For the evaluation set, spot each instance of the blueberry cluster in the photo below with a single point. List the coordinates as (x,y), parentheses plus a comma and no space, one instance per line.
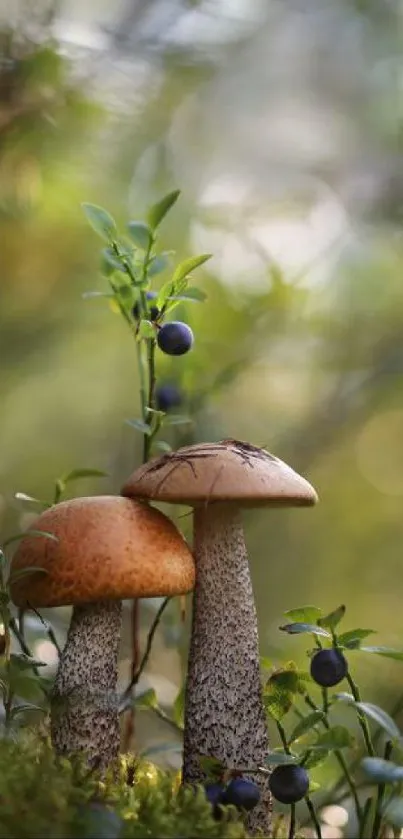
(173,337)
(240,792)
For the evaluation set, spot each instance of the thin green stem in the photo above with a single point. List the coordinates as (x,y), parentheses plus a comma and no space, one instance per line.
(365,815)
(361,717)
(291,830)
(377,826)
(283,737)
(340,759)
(314,817)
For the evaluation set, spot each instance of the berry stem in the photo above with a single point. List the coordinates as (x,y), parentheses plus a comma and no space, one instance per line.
(361,717)
(313,815)
(376,830)
(340,759)
(291,831)
(283,737)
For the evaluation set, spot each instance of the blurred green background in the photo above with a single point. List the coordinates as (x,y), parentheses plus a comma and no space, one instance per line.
(282,124)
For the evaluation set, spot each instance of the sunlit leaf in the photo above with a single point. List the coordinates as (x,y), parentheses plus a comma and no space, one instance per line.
(333,618)
(298,628)
(146,329)
(305,614)
(146,700)
(79,474)
(188,265)
(352,639)
(179,708)
(280,759)
(159,210)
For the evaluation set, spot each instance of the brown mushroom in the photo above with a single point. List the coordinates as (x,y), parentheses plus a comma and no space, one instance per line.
(108,549)
(224,714)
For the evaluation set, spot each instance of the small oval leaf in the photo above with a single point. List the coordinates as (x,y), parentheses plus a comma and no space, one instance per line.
(298,628)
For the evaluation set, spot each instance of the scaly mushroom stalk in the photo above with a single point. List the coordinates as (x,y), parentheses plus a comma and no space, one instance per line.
(224,714)
(84,709)
(104,551)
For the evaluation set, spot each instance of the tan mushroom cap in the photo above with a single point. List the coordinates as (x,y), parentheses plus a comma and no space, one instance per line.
(107,548)
(228,471)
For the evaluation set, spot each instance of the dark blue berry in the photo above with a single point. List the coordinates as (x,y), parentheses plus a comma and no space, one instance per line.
(153,310)
(289,783)
(242,793)
(175,338)
(214,794)
(328,667)
(167,396)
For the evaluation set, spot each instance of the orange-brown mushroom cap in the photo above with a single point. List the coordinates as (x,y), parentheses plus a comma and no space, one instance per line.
(229,471)
(107,548)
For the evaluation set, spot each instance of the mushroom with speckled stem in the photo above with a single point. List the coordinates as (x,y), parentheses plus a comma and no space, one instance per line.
(106,549)
(224,713)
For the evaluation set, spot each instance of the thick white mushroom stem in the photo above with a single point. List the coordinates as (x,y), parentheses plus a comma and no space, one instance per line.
(84,710)
(224,714)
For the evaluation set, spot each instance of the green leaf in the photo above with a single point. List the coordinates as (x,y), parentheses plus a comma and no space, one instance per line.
(146,329)
(343,696)
(265,663)
(25,662)
(280,759)
(188,265)
(157,265)
(211,766)
(333,618)
(280,690)
(393,813)
(26,533)
(387,652)
(379,716)
(113,263)
(179,708)
(100,221)
(314,786)
(315,759)
(336,737)
(167,291)
(146,700)
(159,210)
(298,628)
(194,294)
(79,474)
(305,614)
(25,572)
(177,419)
(22,709)
(90,295)
(141,426)
(306,724)
(141,234)
(382,771)
(353,638)
(162,446)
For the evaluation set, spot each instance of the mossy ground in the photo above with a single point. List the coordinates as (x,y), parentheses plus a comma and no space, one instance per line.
(43,795)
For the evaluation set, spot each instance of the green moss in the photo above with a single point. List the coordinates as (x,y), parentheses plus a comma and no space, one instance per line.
(42,795)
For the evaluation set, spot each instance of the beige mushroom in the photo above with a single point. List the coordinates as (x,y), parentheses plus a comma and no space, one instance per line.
(224,714)
(108,549)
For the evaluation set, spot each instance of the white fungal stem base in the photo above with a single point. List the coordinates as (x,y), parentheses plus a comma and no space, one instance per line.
(224,714)
(85,705)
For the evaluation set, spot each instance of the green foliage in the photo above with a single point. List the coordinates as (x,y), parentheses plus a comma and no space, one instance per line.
(42,795)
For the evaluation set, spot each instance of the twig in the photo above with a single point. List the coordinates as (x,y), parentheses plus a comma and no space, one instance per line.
(153,628)
(314,817)
(49,629)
